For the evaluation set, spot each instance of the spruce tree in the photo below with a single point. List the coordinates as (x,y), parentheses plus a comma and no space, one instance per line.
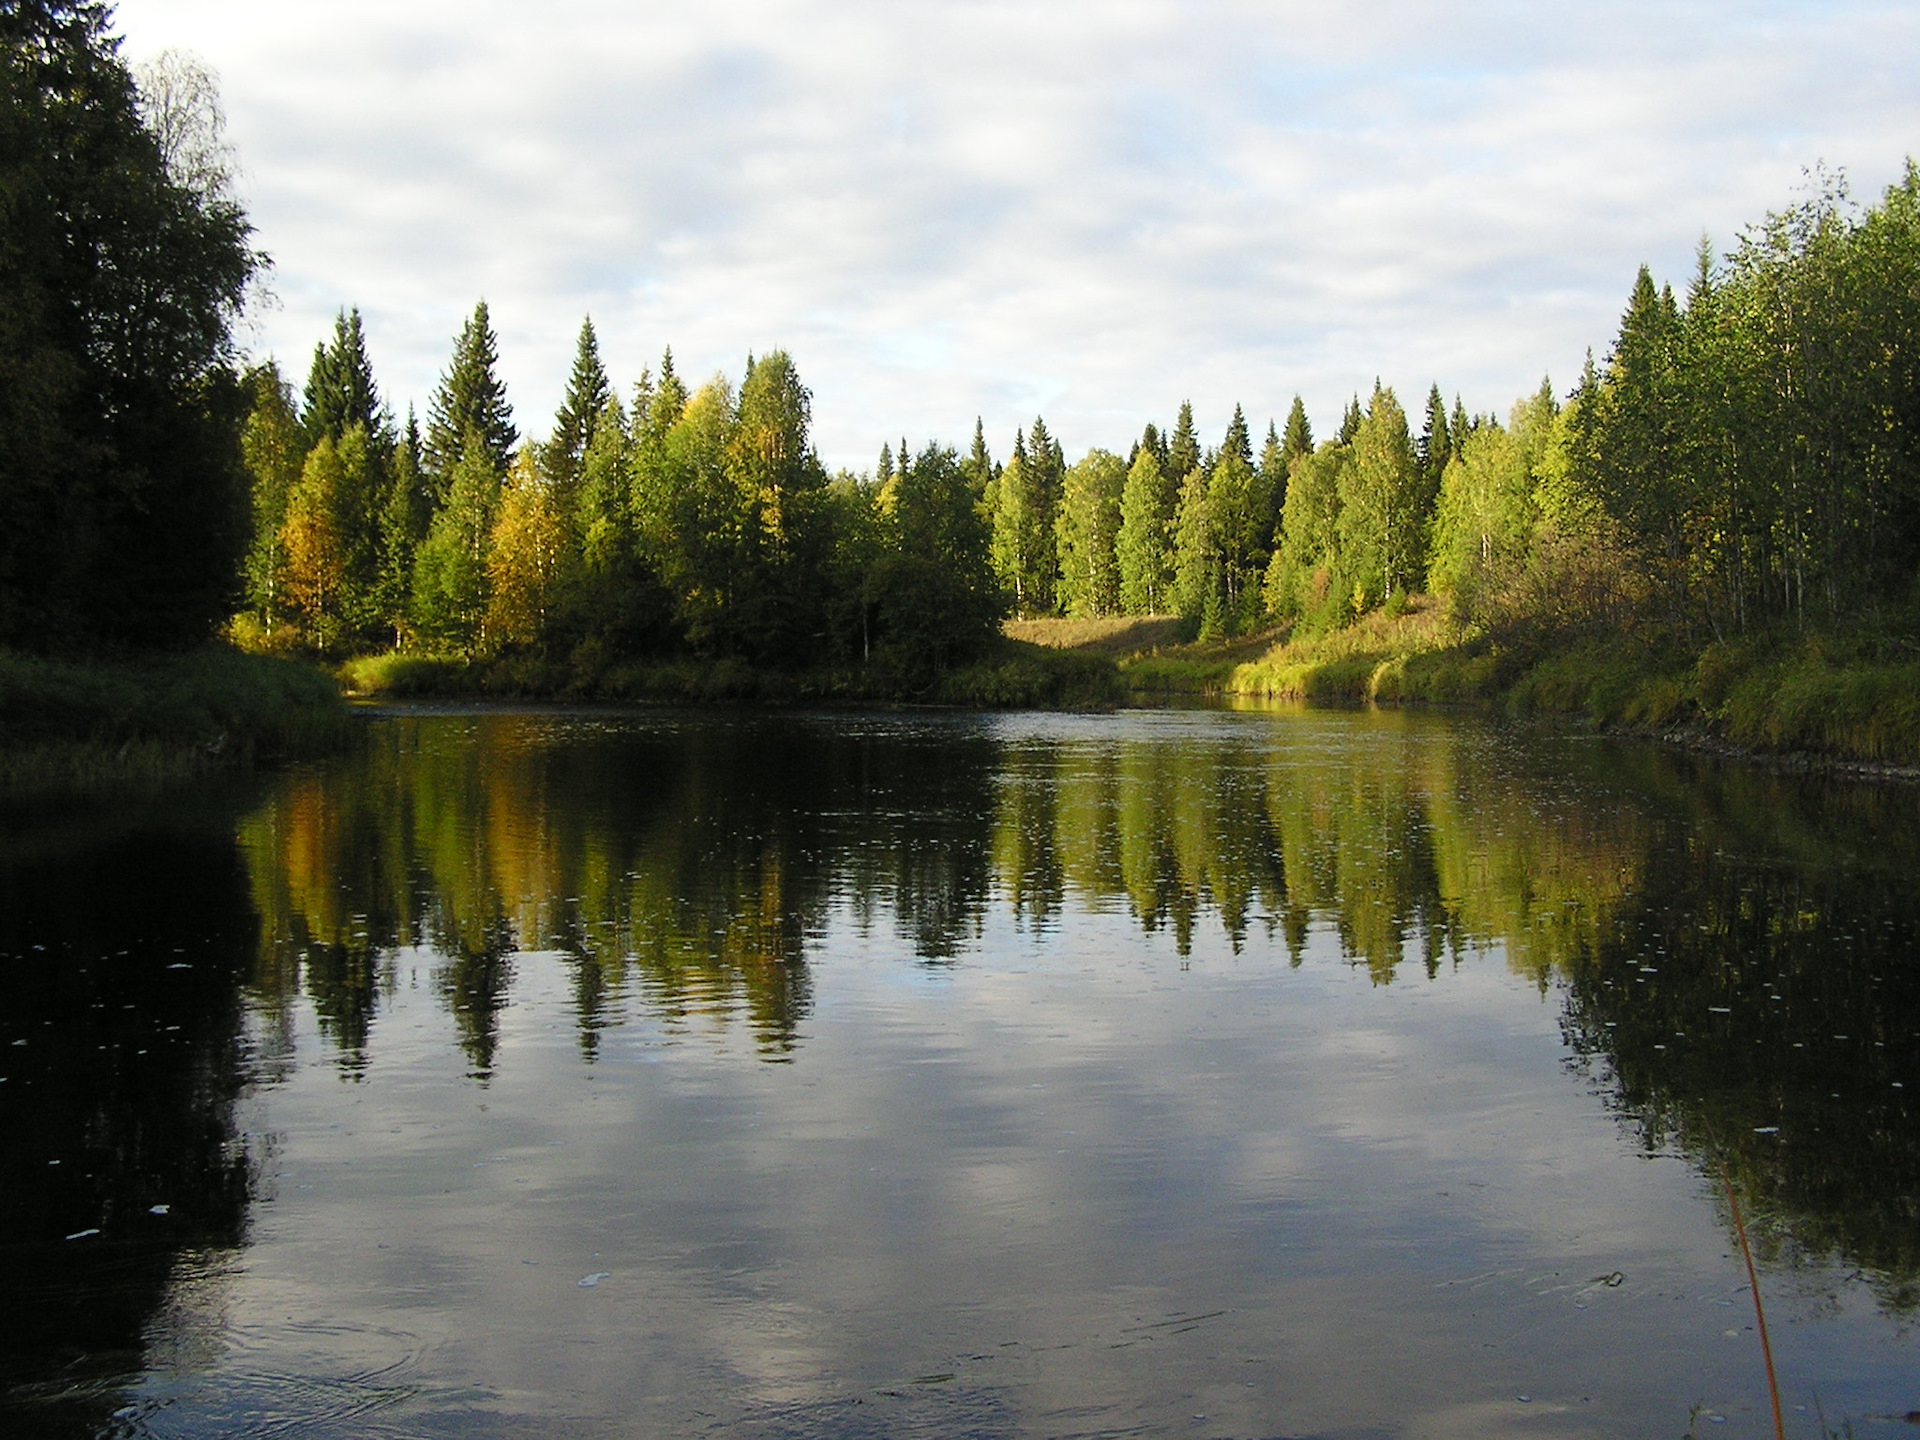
(588,391)
(401,524)
(978,467)
(1183,451)
(340,386)
(470,403)
(1151,439)
(1350,421)
(1238,442)
(1435,447)
(1297,439)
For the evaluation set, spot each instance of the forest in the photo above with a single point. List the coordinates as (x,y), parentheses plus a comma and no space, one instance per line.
(1741,461)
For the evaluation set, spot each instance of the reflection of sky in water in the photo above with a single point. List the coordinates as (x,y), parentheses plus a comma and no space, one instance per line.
(1066,1176)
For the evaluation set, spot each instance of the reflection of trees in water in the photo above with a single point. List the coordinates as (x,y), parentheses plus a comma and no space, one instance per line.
(119,969)
(1764,1014)
(679,869)
(686,872)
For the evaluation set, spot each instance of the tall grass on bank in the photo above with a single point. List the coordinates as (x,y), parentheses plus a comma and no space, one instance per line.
(1835,694)
(68,723)
(1012,675)
(1406,652)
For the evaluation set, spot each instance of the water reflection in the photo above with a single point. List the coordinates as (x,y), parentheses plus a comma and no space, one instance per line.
(1731,952)
(1734,945)
(123,939)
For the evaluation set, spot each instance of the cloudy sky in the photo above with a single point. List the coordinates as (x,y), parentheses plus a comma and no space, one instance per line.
(950,208)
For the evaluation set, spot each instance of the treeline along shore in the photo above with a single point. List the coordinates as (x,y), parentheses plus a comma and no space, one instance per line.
(1716,528)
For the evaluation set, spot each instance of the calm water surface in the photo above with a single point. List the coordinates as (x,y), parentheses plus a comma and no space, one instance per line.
(1161,1074)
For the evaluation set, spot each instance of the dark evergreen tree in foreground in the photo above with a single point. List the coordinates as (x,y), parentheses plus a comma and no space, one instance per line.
(122,502)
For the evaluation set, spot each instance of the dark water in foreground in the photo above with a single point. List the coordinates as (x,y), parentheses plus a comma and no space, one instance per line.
(1190,1074)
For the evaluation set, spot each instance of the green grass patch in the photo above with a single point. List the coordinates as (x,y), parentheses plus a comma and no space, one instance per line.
(1406,653)
(1806,703)
(1116,636)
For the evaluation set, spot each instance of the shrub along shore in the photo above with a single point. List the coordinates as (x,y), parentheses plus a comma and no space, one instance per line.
(79,724)
(1009,675)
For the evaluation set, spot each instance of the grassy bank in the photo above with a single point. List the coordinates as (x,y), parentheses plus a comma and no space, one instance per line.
(1013,675)
(77,724)
(1156,654)
(1848,695)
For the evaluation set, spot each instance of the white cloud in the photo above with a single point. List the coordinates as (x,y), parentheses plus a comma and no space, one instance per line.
(961,208)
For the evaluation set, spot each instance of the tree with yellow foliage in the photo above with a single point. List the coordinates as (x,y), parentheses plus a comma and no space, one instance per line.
(531,544)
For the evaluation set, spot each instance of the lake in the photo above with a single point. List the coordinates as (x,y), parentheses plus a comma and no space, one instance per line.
(1161,1073)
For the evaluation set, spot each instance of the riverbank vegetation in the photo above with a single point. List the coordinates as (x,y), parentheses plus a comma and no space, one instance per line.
(1718,526)
(156,718)
(122,492)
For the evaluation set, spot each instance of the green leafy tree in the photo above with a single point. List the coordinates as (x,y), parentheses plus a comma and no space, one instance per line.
(652,501)
(1383,522)
(451,587)
(314,545)
(1302,576)
(936,599)
(527,554)
(1025,552)
(1144,546)
(123,504)
(1196,554)
(273,450)
(1484,523)
(1088,529)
